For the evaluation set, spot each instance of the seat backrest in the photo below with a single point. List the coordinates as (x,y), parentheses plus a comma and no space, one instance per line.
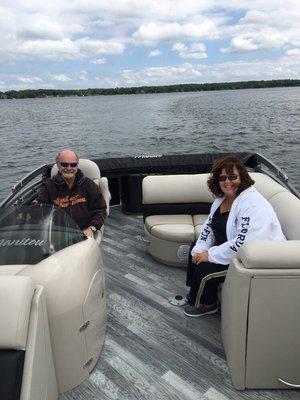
(167,194)
(167,189)
(89,168)
(176,194)
(285,204)
(266,185)
(287,207)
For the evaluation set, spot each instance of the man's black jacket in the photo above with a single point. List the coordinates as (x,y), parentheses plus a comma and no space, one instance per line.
(83,201)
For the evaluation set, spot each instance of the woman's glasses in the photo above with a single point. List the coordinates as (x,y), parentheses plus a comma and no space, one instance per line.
(222,178)
(66,164)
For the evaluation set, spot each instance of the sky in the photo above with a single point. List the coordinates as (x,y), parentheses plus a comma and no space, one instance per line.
(73,44)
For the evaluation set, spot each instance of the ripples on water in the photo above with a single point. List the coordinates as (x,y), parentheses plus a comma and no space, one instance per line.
(262,120)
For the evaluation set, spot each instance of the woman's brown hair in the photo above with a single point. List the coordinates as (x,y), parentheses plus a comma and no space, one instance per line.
(228,163)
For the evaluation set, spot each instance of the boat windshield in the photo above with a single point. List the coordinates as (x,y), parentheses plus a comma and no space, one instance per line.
(29,234)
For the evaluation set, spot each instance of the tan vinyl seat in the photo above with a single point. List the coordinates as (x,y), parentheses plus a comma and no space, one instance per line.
(260,322)
(171,227)
(24,333)
(198,221)
(260,319)
(173,234)
(168,236)
(170,231)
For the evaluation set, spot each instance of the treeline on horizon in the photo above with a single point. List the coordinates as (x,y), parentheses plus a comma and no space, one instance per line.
(186,87)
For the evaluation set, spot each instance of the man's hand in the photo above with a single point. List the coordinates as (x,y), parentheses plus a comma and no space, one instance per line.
(88,232)
(200,257)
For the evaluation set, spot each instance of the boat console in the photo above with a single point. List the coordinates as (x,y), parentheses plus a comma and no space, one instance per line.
(51,274)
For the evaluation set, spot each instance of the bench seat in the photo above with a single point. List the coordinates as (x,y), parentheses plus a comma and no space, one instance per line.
(176,206)
(260,322)
(175,232)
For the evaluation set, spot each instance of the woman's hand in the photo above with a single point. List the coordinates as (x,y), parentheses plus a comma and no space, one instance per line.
(200,257)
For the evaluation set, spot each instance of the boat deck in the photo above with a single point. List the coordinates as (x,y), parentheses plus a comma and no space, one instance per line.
(152,351)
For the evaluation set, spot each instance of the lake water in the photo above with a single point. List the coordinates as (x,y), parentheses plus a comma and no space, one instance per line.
(262,120)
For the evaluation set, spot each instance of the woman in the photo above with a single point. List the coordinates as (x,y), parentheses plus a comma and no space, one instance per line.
(238,215)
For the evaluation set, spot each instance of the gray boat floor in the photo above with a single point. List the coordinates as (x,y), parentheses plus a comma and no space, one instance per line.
(152,350)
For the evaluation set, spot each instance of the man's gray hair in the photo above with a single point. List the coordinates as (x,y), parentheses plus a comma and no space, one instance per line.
(62,151)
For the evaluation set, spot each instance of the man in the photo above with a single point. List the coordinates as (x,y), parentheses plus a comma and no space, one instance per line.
(78,195)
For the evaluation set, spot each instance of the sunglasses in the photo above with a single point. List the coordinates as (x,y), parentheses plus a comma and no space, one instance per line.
(222,178)
(66,164)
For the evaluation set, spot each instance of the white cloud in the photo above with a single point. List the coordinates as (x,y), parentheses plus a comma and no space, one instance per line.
(262,30)
(109,82)
(56,49)
(32,79)
(240,44)
(152,33)
(140,9)
(200,73)
(293,52)
(33,31)
(34,49)
(155,53)
(60,77)
(39,27)
(99,61)
(195,51)
(161,75)
(38,36)
(83,76)
(59,50)
(284,67)
(94,47)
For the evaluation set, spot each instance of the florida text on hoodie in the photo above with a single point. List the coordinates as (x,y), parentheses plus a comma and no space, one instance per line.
(251,218)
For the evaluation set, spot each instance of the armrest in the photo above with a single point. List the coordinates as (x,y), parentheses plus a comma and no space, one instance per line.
(266,254)
(103,183)
(98,235)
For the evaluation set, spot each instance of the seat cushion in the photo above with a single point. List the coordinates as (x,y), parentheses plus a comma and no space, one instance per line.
(198,221)
(175,228)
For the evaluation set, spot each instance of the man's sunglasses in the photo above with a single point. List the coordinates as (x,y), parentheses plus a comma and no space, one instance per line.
(66,164)
(222,178)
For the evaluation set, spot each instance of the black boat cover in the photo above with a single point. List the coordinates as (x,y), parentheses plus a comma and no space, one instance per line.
(166,164)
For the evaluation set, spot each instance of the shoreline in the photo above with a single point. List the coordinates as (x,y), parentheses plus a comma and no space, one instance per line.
(188,87)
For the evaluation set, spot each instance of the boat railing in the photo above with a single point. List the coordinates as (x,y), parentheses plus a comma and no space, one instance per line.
(27,188)
(274,172)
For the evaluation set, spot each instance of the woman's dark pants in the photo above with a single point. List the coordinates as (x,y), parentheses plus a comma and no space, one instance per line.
(195,274)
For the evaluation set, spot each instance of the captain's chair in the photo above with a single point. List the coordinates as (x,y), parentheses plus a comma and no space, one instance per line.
(91,170)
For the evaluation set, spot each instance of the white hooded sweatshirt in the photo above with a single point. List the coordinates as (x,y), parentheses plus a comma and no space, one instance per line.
(251,218)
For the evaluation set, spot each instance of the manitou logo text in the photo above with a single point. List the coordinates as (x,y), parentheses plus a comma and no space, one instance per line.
(21,242)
